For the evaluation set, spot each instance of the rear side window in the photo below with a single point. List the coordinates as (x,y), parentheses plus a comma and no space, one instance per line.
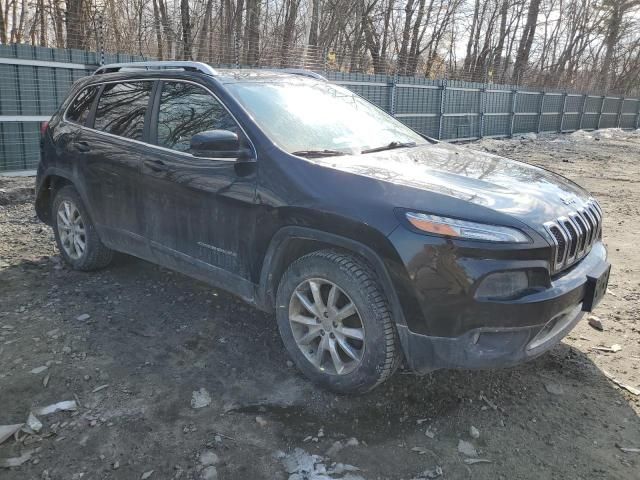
(185,110)
(78,111)
(122,107)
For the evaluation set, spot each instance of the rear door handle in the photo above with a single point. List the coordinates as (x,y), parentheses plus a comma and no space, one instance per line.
(83,146)
(155,165)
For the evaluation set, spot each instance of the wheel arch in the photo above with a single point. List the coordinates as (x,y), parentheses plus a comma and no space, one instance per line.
(50,184)
(292,242)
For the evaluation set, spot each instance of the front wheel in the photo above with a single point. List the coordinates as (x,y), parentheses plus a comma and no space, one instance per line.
(335,322)
(75,233)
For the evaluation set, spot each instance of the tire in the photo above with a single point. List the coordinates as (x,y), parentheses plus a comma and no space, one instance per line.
(365,342)
(70,220)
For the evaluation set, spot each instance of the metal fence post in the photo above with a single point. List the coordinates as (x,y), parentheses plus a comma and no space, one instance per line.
(585,97)
(101,39)
(564,109)
(514,94)
(638,116)
(443,94)
(620,108)
(236,47)
(394,93)
(483,107)
(604,98)
(541,111)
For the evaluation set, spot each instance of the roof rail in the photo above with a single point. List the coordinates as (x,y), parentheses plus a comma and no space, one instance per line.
(303,72)
(157,65)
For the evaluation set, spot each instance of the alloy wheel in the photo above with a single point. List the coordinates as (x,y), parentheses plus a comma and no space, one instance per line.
(71,229)
(326,326)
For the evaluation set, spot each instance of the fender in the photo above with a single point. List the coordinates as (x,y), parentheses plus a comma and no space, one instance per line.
(57,172)
(278,246)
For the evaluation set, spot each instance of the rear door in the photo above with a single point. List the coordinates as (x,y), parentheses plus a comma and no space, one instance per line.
(200,212)
(113,145)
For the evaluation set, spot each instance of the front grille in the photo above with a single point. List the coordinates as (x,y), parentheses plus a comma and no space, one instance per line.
(574,235)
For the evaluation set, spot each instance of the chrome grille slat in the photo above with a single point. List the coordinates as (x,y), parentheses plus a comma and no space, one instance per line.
(591,224)
(582,233)
(574,235)
(598,229)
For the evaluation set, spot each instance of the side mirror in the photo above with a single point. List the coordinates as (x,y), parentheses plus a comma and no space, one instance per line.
(218,144)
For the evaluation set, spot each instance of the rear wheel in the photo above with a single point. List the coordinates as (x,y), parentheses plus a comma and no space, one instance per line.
(75,233)
(335,322)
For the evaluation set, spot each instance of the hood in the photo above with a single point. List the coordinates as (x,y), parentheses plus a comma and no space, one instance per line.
(530,194)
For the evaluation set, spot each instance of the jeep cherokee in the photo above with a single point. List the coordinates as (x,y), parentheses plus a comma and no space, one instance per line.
(370,242)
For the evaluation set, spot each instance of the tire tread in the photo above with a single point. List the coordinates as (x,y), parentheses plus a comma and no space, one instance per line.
(360,270)
(98,255)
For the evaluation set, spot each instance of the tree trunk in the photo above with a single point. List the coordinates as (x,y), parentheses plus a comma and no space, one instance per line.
(289,31)
(166,28)
(75,24)
(406,34)
(614,24)
(524,48)
(203,53)
(158,29)
(497,56)
(412,63)
(43,24)
(254,33)
(185,23)
(315,21)
(468,60)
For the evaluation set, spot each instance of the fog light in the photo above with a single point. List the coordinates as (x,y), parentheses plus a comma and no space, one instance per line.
(502,285)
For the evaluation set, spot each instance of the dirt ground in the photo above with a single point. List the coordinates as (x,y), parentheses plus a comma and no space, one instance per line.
(132,343)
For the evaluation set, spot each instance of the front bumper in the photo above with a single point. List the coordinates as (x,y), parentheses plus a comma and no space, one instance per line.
(486,348)
(472,333)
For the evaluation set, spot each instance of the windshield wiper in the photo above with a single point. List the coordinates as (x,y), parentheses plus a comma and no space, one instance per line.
(390,146)
(318,153)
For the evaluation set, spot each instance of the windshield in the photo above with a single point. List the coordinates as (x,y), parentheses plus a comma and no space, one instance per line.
(307,116)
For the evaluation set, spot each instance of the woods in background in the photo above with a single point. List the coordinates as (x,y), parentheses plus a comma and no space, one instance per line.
(582,44)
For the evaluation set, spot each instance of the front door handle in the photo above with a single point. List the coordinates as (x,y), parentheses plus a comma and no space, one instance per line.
(155,165)
(83,146)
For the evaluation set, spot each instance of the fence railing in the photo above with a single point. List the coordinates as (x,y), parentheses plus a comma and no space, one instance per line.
(35,80)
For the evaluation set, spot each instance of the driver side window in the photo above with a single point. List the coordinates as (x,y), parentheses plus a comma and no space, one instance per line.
(186,110)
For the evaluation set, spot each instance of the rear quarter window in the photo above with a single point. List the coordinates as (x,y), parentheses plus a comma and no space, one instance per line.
(80,106)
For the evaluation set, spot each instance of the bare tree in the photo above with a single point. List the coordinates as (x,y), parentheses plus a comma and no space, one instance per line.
(526,41)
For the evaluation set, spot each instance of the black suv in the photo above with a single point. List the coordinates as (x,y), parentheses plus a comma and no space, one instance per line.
(369,241)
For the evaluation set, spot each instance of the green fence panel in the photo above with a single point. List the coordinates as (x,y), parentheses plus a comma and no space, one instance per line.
(574,103)
(455,127)
(548,123)
(498,102)
(497,125)
(571,122)
(46,86)
(425,125)
(525,123)
(418,100)
(469,109)
(9,93)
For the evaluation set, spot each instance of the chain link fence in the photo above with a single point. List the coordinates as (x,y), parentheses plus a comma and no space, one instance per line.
(35,80)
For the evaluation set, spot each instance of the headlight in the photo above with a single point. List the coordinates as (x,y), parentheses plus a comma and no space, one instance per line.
(452,227)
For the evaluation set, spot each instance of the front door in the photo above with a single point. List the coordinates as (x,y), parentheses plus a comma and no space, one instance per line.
(199,212)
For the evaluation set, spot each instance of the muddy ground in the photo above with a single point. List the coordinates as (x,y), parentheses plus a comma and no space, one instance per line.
(132,343)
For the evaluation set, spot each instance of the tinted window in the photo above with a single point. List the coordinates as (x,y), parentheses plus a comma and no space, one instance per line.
(185,110)
(81,106)
(122,107)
